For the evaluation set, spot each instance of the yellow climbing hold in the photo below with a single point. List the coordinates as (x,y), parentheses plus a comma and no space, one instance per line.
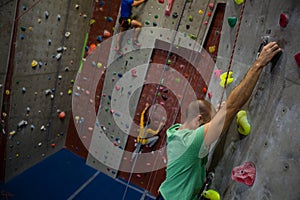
(7,92)
(92,21)
(12,133)
(211,194)
(223,78)
(200,12)
(69,92)
(238,2)
(34,63)
(243,124)
(212,49)
(99,64)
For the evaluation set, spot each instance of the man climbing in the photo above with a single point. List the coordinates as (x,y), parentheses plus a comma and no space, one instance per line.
(188,143)
(147,136)
(127,22)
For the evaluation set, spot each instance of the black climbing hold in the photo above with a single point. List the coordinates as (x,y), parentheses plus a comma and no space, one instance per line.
(175,15)
(164,97)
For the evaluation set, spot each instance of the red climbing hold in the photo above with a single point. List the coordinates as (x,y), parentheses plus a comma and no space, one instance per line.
(211,6)
(62,115)
(133,73)
(169,7)
(297,58)
(209,95)
(161,1)
(283,20)
(244,173)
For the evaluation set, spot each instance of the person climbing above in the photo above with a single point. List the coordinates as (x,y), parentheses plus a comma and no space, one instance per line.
(147,136)
(188,143)
(127,22)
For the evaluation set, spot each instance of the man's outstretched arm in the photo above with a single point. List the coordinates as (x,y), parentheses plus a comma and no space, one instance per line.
(239,96)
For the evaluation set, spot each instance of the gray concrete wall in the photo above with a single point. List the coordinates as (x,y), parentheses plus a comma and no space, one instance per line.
(7,11)
(30,145)
(273,110)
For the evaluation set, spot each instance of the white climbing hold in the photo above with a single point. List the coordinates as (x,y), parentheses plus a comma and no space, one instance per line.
(58,56)
(22,123)
(46,14)
(48,91)
(43,128)
(67,34)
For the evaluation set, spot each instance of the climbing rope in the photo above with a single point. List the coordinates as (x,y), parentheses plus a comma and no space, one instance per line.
(233,50)
(156,94)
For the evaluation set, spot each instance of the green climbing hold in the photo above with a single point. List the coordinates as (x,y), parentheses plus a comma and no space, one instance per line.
(155,16)
(243,124)
(177,80)
(238,2)
(23,28)
(147,22)
(169,61)
(191,18)
(232,21)
(193,37)
(211,194)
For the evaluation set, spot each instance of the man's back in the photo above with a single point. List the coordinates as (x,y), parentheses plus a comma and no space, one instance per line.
(186,170)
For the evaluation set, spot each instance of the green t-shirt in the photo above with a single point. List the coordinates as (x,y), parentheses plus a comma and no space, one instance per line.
(187,157)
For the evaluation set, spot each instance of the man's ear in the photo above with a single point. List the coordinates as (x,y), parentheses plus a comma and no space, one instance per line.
(200,119)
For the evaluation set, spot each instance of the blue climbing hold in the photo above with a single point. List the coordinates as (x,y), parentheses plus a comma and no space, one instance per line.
(101,3)
(99,38)
(86,48)
(22,37)
(109,19)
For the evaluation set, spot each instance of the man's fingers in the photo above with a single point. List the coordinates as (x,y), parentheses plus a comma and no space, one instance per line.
(274,47)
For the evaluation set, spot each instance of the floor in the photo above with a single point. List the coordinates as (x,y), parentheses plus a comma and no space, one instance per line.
(65,175)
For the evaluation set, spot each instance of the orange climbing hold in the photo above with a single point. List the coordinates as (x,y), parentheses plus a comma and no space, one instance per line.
(92,47)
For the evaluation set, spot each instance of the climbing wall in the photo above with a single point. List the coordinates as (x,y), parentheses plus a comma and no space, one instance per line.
(6,20)
(48,49)
(127,87)
(272,111)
